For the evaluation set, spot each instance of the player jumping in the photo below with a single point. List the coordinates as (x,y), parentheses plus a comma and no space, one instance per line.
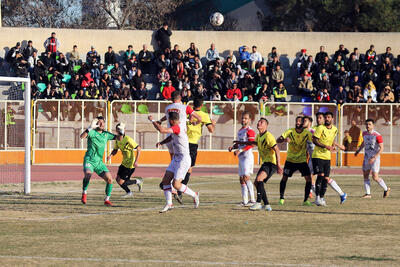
(180,163)
(246,160)
(270,156)
(129,162)
(93,160)
(324,140)
(297,139)
(373,144)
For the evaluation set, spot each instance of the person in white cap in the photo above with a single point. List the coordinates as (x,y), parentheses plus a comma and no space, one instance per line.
(129,162)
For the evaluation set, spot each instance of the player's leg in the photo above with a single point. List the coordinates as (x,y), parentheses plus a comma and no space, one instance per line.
(287,172)
(318,171)
(313,178)
(306,173)
(180,172)
(244,191)
(332,183)
(375,175)
(107,177)
(168,176)
(250,188)
(264,174)
(367,183)
(123,176)
(85,184)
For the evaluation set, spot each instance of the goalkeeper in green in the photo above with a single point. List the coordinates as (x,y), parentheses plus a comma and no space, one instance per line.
(93,160)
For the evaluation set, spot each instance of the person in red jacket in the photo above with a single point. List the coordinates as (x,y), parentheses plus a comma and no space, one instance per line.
(167,91)
(323,96)
(230,93)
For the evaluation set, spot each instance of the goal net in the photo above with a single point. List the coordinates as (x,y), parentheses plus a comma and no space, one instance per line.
(15,134)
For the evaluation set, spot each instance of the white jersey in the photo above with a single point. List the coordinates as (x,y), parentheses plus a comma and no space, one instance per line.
(310,144)
(371,143)
(246,134)
(180,142)
(182,110)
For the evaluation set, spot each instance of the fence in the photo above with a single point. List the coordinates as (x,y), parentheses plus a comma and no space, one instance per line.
(12,119)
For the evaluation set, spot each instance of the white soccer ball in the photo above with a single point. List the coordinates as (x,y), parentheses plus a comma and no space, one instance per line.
(216,19)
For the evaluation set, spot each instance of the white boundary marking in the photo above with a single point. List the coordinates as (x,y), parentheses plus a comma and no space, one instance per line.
(115,260)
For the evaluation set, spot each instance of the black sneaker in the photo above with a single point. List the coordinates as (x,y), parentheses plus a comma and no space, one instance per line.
(386,193)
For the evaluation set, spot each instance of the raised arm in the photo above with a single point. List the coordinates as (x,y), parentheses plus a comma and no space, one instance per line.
(92,126)
(159,127)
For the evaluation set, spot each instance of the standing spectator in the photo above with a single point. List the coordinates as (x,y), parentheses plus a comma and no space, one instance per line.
(74,56)
(145,59)
(340,96)
(353,65)
(370,56)
(388,54)
(12,53)
(272,55)
(212,53)
(92,57)
(52,44)
(320,56)
(167,91)
(301,59)
(28,51)
(129,53)
(244,57)
(280,93)
(109,57)
(255,57)
(163,37)
(342,52)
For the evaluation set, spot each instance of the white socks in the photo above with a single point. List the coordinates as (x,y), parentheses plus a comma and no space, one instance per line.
(168,194)
(107,198)
(84,192)
(335,186)
(250,187)
(245,195)
(367,187)
(186,190)
(381,182)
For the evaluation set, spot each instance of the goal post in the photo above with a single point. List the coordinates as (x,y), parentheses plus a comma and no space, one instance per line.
(27,127)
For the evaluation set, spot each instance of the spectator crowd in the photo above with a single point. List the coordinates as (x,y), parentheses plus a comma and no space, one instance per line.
(244,76)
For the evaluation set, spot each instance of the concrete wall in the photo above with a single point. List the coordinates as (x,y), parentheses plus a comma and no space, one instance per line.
(288,43)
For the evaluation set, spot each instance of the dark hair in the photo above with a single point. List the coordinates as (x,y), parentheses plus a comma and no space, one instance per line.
(198,102)
(308,118)
(100,118)
(318,114)
(328,113)
(173,116)
(245,113)
(264,119)
(175,95)
(370,120)
(300,117)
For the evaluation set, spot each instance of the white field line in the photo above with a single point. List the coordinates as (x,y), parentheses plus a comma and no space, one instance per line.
(116,260)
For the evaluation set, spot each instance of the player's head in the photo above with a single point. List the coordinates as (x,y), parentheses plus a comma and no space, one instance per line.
(176,97)
(197,103)
(262,125)
(369,124)
(101,122)
(245,118)
(173,118)
(328,118)
(307,122)
(320,118)
(120,128)
(299,122)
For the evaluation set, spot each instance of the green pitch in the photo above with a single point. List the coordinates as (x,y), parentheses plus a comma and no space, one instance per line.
(52,227)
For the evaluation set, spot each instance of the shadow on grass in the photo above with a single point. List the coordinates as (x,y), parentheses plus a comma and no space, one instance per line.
(340,212)
(362,258)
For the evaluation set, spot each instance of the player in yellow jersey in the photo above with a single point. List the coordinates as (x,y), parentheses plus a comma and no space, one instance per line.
(324,140)
(296,159)
(129,162)
(194,133)
(270,156)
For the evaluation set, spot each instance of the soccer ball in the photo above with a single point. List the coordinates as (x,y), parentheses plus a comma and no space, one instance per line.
(216,19)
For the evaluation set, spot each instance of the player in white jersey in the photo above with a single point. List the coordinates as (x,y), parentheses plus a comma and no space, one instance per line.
(246,160)
(180,163)
(183,111)
(373,144)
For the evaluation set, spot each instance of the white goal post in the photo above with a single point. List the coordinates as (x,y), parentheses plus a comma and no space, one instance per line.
(27,135)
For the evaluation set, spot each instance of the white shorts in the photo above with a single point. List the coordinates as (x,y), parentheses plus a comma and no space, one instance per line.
(179,167)
(170,147)
(374,166)
(246,164)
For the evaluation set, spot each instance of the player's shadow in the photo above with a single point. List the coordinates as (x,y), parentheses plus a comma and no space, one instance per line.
(339,212)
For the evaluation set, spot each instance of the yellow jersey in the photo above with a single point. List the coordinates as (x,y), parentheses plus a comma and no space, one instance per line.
(127,146)
(194,132)
(297,148)
(265,143)
(326,137)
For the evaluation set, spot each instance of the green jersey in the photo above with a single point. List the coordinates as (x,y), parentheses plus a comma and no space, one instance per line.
(96,145)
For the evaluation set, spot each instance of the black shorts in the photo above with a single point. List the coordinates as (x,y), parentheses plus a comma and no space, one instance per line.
(291,168)
(193,153)
(321,166)
(125,173)
(269,168)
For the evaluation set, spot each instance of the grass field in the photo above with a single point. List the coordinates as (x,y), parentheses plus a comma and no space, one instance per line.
(52,227)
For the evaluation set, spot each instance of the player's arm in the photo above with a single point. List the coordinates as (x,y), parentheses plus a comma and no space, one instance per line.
(318,143)
(165,141)
(113,153)
(211,126)
(162,119)
(359,149)
(342,147)
(138,150)
(193,115)
(251,143)
(235,146)
(282,139)
(92,126)
(278,158)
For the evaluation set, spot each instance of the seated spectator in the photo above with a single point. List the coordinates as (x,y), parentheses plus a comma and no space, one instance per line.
(264,94)
(12,53)
(320,56)
(370,56)
(388,54)
(163,76)
(92,91)
(323,96)
(116,71)
(301,59)
(232,56)
(387,81)
(216,84)
(357,54)
(212,53)
(386,67)
(306,87)
(162,62)
(355,82)
(277,75)
(198,91)
(20,66)
(175,52)
(125,92)
(280,93)
(353,65)
(137,79)
(32,60)
(370,91)
(167,90)
(325,64)
(49,61)
(215,96)
(62,63)
(272,54)
(272,65)
(324,83)
(145,59)
(255,57)
(28,51)
(309,65)
(140,93)
(92,57)
(244,57)
(370,75)
(247,82)
(39,73)
(193,51)
(396,78)
(386,96)
(231,92)
(74,56)
(109,57)
(340,96)
(186,94)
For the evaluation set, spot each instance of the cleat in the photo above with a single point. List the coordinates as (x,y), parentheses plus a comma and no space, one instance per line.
(178,198)
(107,203)
(130,194)
(268,208)
(323,202)
(166,208)
(366,196)
(281,201)
(317,201)
(84,198)
(196,200)
(249,204)
(256,206)
(343,198)
(139,183)
(242,204)
(386,193)
(307,203)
